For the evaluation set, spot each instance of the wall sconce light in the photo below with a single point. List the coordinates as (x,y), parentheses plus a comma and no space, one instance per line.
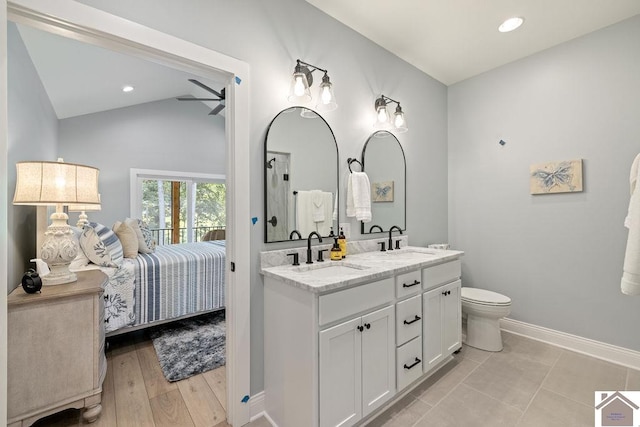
(57,184)
(302,80)
(397,122)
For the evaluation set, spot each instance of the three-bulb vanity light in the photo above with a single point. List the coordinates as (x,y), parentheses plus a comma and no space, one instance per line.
(396,122)
(301,82)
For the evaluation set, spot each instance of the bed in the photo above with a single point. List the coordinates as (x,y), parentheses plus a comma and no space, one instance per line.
(175,281)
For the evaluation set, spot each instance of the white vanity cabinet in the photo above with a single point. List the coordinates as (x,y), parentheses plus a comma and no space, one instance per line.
(357,370)
(442,321)
(336,352)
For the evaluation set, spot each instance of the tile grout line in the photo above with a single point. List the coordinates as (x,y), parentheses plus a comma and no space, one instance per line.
(540,387)
(449,392)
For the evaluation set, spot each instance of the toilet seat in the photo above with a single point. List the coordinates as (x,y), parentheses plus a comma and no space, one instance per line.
(483,297)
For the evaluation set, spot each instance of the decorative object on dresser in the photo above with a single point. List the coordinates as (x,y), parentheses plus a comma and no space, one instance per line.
(55,350)
(83,209)
(31,282)
(57,184)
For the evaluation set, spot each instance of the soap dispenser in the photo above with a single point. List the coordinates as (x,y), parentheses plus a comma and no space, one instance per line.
(336,252)
(342,241)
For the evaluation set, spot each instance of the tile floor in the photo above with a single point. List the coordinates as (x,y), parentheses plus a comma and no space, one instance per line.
(527,384)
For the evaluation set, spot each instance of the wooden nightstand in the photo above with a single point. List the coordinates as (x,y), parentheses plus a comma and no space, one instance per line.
(55,349)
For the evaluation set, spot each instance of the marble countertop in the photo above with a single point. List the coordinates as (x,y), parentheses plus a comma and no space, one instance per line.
(322,277)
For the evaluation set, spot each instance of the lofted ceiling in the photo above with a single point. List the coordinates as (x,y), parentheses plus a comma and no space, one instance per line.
(80,78)
(452,40)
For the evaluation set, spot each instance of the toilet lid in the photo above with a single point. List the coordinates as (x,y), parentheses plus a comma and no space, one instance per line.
(483,296)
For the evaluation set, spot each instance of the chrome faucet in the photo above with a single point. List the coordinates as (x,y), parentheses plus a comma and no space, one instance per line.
(395,227)
(295,232)
(309,253)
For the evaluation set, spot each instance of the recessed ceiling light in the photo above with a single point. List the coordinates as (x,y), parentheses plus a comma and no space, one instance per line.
(127,88)
(510,24)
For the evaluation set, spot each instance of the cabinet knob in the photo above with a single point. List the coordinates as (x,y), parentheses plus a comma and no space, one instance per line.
(367,325)
(360,328)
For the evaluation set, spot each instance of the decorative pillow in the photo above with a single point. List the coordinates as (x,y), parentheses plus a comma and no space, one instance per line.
(128,239)
(81,259)
(101,245)
(146,244)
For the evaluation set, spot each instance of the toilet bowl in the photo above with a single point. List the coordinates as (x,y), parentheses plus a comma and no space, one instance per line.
(483,310)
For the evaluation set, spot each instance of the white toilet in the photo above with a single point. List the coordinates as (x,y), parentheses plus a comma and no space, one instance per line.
(483,310)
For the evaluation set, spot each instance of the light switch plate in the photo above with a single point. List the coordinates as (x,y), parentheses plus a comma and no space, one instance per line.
(346,228)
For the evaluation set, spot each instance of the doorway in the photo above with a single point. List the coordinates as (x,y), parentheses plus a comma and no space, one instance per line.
(71,19)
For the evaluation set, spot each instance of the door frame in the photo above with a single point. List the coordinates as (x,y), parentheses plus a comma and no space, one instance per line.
(84,23)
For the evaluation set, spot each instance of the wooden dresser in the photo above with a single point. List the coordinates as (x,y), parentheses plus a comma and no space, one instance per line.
(56,356)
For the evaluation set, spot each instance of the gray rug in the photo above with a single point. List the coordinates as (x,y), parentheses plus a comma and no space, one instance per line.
(191,346)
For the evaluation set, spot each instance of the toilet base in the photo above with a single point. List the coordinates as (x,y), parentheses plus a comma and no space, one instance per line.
(483,333)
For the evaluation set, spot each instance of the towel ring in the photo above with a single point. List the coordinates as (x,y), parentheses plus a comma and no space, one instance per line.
(350,160)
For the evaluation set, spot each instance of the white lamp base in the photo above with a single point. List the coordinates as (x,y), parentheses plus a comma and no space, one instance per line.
(60,247)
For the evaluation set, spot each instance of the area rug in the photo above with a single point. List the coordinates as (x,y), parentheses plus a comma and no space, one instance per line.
(191,346)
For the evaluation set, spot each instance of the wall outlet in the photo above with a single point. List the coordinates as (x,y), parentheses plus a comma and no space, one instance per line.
(346,228)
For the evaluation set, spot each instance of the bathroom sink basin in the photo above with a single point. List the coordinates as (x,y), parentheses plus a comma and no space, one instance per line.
(330,269)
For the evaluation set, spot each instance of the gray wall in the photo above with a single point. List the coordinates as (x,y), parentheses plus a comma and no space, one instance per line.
(559,257)
(270,36)
(165,135)
(32,131)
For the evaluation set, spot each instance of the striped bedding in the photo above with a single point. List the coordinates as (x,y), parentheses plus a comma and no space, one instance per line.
(178,280)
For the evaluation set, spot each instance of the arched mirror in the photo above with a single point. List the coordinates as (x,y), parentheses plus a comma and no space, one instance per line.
(384,162)
(300,176)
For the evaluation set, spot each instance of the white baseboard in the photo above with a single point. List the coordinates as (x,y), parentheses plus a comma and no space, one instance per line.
(256,408)
(599,350)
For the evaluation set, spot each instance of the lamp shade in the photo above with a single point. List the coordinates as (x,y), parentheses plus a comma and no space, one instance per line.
(55,183)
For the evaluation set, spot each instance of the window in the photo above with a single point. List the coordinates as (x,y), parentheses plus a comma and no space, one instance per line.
(179,207)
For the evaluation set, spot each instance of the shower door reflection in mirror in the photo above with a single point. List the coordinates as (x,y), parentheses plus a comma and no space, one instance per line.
(301,176)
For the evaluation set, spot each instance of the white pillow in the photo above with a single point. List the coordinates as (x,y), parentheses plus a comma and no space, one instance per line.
(146,244)
(101,245)
(81,259)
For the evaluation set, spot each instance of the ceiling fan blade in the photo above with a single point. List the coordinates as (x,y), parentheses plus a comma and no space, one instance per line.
(216,110)
(205,87)
(199,99)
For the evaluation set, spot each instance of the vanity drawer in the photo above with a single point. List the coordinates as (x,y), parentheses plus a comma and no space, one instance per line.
(409,363)
(341,304)
(408,319)
(408,283)
(441,274)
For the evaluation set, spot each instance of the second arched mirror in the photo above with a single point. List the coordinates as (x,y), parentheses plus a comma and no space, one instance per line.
(384,162)
(301,176)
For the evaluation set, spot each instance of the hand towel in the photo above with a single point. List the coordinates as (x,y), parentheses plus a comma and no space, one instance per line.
(630,283)
(324,227)
(317,205)
(359,196)
(304,213)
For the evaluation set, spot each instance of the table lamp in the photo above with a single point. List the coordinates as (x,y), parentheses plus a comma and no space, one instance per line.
(83,209)
(58,184)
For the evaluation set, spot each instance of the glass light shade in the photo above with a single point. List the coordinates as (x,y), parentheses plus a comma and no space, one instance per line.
(399,121)
(326,98)
(299,91)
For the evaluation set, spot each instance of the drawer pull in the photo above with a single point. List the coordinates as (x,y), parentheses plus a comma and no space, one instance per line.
(413,364)
(413,321)
(415,282)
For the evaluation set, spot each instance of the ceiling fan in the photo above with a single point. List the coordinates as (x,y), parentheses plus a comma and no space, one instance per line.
(220,97)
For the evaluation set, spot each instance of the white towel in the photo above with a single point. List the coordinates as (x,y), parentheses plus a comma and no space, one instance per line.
(630,283)
(304,213)
(359,196)
(317,205)
(324,227)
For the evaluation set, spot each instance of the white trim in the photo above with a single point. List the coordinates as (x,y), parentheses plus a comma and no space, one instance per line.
(3,205)
(610,353)
(84,23)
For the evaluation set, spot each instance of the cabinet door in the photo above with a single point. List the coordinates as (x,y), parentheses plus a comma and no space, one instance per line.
(432,328)
(341,374)
(378,359)
(451,317)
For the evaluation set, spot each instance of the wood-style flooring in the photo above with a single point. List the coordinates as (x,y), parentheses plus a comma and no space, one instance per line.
(136,393)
